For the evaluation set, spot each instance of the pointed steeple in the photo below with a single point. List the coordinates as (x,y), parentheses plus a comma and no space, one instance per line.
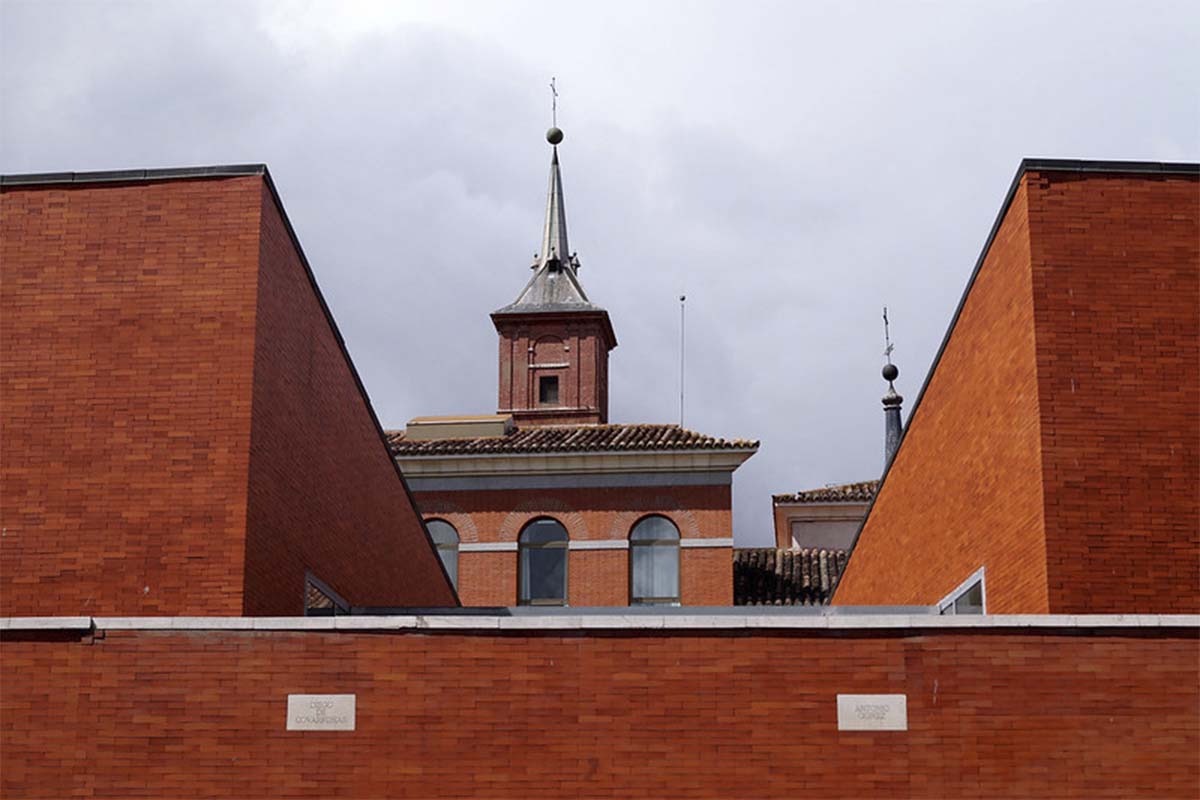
(554,232)
(555,283)
(554,342)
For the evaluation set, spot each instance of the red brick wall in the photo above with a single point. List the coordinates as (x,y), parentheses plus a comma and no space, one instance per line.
(582,385)
(965,489)
(126,352)
(999,714)
(706,576)
(1116,280)
(323,493)
(1059,441)
(488,578)
(595,577)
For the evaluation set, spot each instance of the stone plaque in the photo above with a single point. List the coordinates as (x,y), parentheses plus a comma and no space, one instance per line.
(872,712)
(320,712)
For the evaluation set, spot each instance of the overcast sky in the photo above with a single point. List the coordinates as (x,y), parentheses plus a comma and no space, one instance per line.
(791,167)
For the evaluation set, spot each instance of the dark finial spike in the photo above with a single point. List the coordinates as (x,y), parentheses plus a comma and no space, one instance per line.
(891,400)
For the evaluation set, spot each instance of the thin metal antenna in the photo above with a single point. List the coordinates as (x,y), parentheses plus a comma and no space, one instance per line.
(553,103)
(682,319)
(887,340)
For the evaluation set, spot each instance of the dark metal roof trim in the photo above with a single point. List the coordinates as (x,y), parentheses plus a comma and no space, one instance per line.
(1131,167)
(1026,165)
(132,175)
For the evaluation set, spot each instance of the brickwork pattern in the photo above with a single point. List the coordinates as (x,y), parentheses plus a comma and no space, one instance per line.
(531,342)
(965,488)
(162,396)
(1062,417)
(1116,292)
(595,577)
(991,714)
(324,494)
(126,353)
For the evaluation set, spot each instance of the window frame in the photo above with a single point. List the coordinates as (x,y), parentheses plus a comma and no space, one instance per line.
(564,545)
(340,607)
(543,380)
(635,546)
(947,606)
(439,547)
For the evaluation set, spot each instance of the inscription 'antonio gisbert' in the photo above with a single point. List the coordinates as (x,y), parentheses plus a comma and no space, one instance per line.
(872,712)
(320,712)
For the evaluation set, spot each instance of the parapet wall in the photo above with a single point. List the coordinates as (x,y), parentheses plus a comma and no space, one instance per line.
(679,705)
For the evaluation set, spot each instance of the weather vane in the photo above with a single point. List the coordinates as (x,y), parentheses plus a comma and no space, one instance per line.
(553,103)
(887,339)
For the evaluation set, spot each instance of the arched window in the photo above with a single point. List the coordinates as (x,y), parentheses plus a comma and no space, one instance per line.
(654,562)
(542,557)
(446,539)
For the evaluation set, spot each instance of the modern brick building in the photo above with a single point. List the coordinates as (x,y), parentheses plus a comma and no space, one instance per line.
(179,414)
(183,431)
(547,503)
(1052,459)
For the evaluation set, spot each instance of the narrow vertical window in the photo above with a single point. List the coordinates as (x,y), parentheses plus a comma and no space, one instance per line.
(548,390)
(654,562)
(542,563)
(445,538)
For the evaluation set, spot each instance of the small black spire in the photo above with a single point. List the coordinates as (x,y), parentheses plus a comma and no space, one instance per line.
(891,400)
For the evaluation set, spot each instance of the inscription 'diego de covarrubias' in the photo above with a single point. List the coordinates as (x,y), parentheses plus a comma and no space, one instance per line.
(872,712)
(320,712)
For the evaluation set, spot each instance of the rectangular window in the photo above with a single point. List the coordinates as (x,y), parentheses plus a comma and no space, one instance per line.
(968,598)
(548,390)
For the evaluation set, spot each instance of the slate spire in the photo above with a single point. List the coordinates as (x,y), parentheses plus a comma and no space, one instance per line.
(555,283)
(554,232)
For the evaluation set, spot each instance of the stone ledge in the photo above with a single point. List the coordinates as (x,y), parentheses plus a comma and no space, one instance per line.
(608,620)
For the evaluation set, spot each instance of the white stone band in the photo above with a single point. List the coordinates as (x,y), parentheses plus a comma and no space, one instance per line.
(598,544)
(487,547)
(608,619)
(586,544)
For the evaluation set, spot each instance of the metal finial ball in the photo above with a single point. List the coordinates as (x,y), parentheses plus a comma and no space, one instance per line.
(554,135)
(890,372)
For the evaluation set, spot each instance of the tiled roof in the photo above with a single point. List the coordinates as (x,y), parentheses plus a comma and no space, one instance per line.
(861,492)
(767,576)
(570,438)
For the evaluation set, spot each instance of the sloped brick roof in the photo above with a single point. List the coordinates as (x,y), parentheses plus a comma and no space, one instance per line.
(570,438)
(860,492)
(769,576)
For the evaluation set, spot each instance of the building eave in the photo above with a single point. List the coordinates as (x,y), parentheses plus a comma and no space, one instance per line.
(594,462)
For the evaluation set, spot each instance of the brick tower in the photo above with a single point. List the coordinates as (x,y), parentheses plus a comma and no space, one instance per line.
(554,342)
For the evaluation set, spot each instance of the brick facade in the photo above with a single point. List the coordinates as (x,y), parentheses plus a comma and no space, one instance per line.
(183,432)
(127,317)
(595,577)
(1116,294)
(573,347)
(1000,713)
(1056,441)
(948,507)
(324,494)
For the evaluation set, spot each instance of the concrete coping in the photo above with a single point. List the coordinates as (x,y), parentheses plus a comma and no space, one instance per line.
(611,621)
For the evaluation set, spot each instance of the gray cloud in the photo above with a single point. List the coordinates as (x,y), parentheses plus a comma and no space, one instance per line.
(792,167)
